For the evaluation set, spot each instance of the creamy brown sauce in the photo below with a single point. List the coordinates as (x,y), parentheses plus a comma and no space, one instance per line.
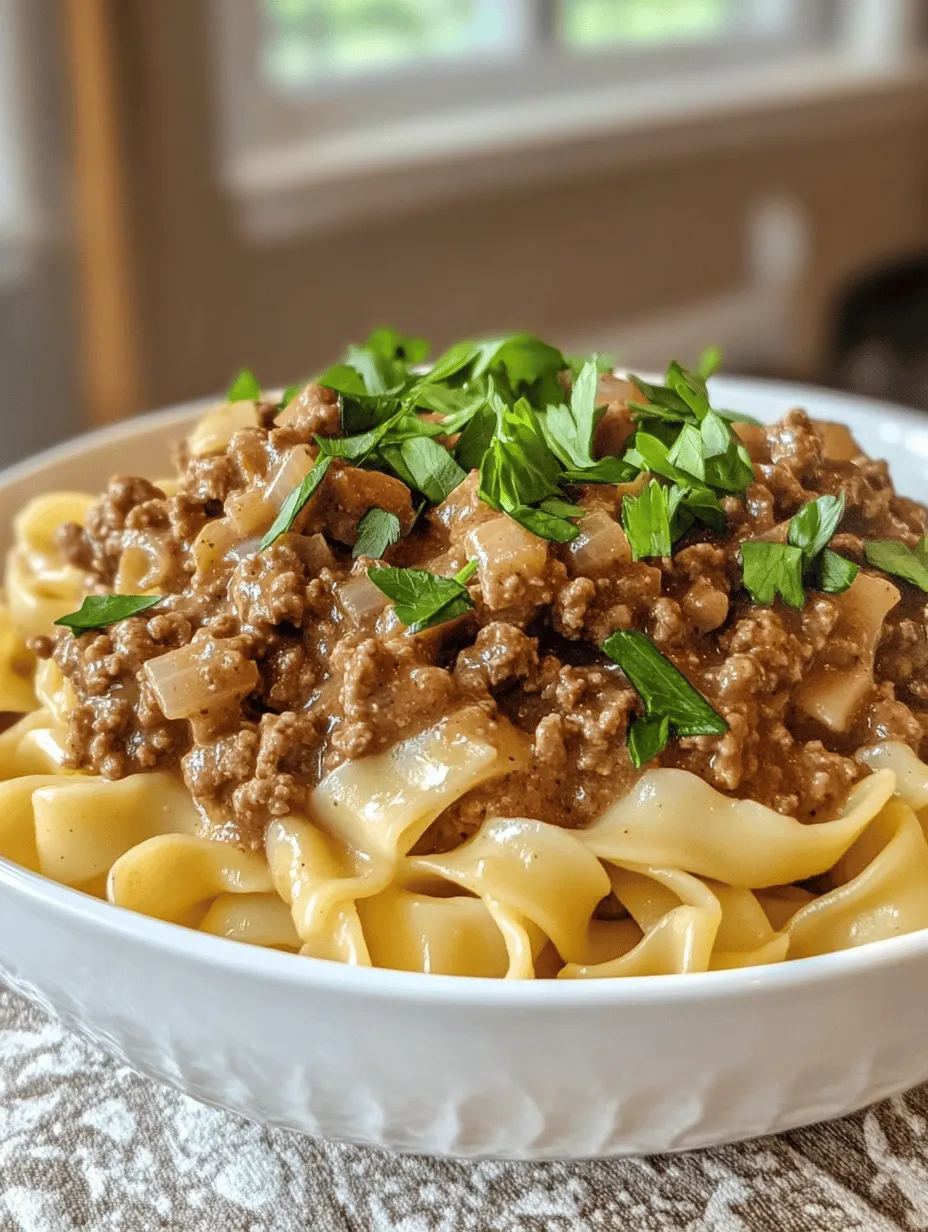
(321,671)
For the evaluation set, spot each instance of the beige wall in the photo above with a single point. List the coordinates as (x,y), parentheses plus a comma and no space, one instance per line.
(556,255)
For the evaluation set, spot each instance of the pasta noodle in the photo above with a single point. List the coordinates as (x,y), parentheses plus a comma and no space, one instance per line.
(672,877)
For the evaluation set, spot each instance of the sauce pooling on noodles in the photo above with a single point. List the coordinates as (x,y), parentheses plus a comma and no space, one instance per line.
(375,619)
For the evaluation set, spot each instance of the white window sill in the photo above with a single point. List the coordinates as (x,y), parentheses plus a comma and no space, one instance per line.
(329,182)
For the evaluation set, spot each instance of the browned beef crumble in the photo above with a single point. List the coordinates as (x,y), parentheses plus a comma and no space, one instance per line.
(329,673)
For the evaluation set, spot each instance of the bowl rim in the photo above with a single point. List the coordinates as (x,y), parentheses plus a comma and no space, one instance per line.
(381,983)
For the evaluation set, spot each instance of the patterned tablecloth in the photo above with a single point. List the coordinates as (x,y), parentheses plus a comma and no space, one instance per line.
(87,1144)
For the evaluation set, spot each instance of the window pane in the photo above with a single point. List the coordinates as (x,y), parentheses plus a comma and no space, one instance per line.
(610,23)
(310,39)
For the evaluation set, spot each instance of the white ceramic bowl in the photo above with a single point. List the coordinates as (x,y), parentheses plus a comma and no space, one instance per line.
(473,1067)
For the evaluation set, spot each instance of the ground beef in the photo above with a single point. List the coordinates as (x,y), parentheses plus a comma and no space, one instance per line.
(330,673)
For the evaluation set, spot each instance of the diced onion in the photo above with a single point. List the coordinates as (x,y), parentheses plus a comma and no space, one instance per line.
(600,546)
(313,550)
(361,600)
(294,468)
(200,677)
(248,548)
(507,555)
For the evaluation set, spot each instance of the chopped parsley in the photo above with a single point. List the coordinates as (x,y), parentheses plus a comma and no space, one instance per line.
(422,599)
(646,519)
(671,703)
(771,570)
(244,388)
(647,738)
(498,406)
(569,429)
(296,501)
(812,527)
(910,564)
(785,569)
(98,611)
(378,530)
(518,471)
(835,573)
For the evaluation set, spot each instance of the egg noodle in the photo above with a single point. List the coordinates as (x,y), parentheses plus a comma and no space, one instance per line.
(706,881)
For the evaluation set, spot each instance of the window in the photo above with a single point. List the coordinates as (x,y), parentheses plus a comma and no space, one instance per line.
(310,41)
(326,92)
(307,46)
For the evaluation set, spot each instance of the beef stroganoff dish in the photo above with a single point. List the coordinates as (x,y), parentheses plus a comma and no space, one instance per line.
(499,665)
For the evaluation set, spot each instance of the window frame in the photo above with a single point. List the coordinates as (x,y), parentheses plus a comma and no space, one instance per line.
(431,125)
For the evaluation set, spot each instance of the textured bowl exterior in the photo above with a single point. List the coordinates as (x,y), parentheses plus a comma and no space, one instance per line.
(472,1067)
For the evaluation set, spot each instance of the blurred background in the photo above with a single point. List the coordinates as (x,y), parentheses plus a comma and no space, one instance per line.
(188,186)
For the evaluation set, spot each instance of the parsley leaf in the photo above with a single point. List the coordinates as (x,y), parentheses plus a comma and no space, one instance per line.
(772,569)
(296,501)
(649,453)
(518,470)
(98,611)
(731,471)
(646,519)
(569,430)
(738,417)
(605,470)
(244,388)
(343,379)
(451,363)
(687,453)
(380,365)
(813,526)
(575,363)
(647,738)
(664,689)
(705,506)
(544,523)
(431,467)
(357,448)
(475,439)
(709,362)
(662,402)
(835,574)
(894,557)
(378,530)
(529,365)
(422,599)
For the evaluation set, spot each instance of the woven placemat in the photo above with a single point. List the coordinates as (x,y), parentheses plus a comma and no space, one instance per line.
(86,1144)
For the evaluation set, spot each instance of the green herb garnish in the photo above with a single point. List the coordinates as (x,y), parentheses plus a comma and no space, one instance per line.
(835,573)
(646,519)
(772,569)
(667,695)
(431,468)
(604,470)
(647,738)
(686,440)
(244,388)
(296,501)
(422,599)
(378,530)
(569,429)
(812,527)
(910,564)
(503,400)
(98,611)
(518,470)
